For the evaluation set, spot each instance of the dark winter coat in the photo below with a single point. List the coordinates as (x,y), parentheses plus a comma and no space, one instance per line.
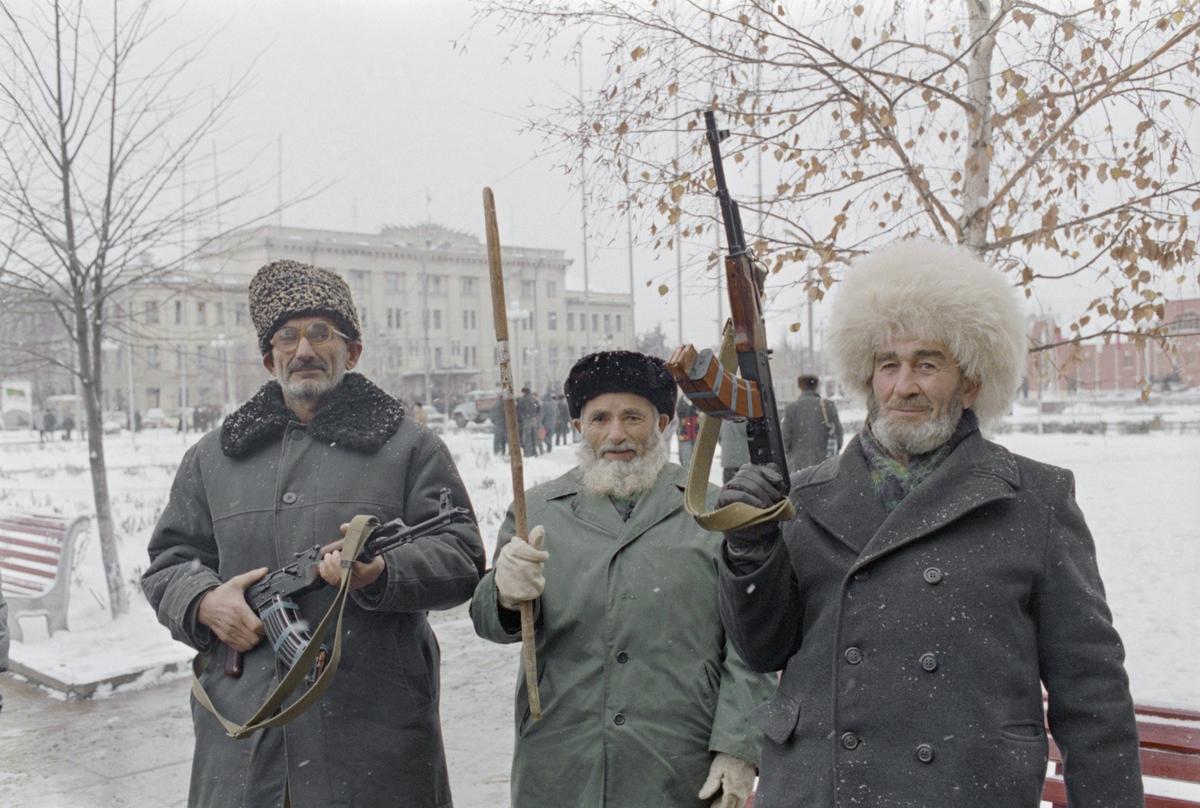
(638,683)
(252,495)
(915,644)
(806,432)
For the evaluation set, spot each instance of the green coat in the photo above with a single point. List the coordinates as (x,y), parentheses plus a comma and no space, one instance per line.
(638,682)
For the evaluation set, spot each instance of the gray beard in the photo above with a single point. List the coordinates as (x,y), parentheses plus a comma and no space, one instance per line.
(900,439)
(622,478)
(305,390)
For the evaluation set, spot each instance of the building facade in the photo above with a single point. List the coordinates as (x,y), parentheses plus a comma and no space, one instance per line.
(1121,364)
(424,299)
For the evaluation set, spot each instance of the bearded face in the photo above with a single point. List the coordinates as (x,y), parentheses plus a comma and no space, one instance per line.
(918,394)
(623,450)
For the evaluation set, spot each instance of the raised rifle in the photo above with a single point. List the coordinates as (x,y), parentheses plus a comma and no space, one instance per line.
(714,390)
(274,598)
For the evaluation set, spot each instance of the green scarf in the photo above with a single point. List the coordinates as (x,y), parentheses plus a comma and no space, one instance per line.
(893,480)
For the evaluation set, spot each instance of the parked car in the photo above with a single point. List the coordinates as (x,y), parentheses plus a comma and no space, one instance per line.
(476,408)
(435,419)
(113,422)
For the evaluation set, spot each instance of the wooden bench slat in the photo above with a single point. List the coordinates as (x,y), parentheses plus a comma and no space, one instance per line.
(41,526)
(50,559)
(16,541)
(1171,765)
(1161,711)
(41,572)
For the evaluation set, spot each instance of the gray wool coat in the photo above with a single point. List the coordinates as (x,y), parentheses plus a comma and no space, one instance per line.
(914,645)
(253,495)
(805,432)
(638,682)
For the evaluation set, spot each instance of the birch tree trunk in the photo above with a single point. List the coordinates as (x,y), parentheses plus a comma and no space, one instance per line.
(978,165)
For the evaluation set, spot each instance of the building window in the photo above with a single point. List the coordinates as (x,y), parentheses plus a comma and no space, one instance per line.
(551,289)
(241,314)
(618,323)
(201,358)
(393,282)
(152,360)
(220,314)
(595,323)
(554,357)
(201,313)
(394,318)
(466,319)
(362,317)
(178,312)
(608,324)
(359,279)
(470,286)
(431,283)
(437,320)
(552,320)
(570,321)
(150,307)
(437,357)
(529,289)
(455,348)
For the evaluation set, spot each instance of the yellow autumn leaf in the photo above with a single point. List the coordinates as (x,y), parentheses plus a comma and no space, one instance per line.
(638,53)
(663,289)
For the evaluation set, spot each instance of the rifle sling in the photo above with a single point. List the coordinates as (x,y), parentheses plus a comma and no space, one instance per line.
(269,714)
(735,515)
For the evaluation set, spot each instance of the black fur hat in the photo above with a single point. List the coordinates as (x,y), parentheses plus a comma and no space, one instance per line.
(620,372)
(282,290)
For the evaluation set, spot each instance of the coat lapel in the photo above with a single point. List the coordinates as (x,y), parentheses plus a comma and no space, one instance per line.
(838,496)
(976,472)
(655,505)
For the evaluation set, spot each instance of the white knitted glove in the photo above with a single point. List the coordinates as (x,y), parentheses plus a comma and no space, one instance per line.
(519,569)
(733,777)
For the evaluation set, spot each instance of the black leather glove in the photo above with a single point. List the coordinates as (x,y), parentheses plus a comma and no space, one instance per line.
(760,487)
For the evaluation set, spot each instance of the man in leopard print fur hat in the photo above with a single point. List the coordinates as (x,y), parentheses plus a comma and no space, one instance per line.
(315,446)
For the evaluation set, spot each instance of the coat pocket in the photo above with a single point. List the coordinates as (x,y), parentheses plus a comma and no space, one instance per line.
(777,716)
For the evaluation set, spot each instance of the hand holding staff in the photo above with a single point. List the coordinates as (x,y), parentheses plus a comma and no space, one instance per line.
(500,318)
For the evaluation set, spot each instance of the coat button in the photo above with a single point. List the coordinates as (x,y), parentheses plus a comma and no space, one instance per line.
(619,719)
(853,655)
(925,753)
(933,575)
(850,740)
(929,662)
(622,657)
(290,497)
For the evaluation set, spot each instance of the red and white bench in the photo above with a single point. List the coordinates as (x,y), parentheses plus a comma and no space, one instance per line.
(36,555)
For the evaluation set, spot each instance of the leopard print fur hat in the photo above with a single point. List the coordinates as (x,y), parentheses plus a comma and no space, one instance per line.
(282,290)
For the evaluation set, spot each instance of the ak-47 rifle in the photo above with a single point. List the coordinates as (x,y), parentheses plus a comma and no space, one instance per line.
(274,597)
(714,390)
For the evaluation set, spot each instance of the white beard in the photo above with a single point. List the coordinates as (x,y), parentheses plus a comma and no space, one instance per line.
(622,478)
(899,438)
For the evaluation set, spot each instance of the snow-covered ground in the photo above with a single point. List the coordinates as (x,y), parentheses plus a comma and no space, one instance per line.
(1140,492)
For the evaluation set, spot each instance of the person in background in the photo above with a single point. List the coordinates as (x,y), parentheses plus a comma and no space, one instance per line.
(932,583)
(735,447)
(688,429)
(812,430)
(499,428)
(562,424)
(528,420)
(549,417)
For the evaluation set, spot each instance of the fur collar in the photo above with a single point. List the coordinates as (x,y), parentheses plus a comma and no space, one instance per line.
(358,416)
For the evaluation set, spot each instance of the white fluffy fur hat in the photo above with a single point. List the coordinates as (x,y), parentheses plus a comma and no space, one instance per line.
(930,291)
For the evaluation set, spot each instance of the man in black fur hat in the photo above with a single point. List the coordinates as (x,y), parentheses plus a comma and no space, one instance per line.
(644,700)
(314,447)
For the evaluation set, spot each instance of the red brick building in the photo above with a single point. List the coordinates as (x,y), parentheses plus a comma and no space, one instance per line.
(1122,364)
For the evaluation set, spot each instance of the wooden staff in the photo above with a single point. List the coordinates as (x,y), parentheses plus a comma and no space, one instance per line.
(500,318)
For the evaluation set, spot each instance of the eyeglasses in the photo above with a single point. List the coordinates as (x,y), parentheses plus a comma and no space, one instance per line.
(288,338)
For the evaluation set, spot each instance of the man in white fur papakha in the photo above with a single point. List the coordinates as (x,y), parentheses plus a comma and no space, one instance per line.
(932,582)
(644,701)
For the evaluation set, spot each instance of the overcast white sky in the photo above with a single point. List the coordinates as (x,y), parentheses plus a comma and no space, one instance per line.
(373,100)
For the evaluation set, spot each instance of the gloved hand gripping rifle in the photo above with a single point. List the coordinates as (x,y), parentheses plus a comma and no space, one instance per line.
(274,598)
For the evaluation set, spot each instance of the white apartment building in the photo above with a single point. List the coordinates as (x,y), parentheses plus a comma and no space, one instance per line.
(424,300)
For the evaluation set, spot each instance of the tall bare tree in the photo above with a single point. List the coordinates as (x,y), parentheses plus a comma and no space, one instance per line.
(97,134)
(1053,142)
